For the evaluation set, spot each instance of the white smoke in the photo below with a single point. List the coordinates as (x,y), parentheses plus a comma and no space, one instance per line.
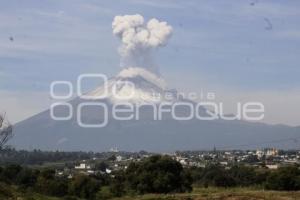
(140,39)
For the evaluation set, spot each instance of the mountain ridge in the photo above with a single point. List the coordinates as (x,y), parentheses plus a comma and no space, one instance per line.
(146,133)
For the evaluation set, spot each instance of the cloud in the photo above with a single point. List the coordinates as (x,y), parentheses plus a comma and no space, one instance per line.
(139,39)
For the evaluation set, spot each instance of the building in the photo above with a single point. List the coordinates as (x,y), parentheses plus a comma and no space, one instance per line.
(271,152)
(82,166)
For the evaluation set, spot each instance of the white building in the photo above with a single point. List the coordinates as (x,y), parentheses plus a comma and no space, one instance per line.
(272,152)
(82,166)
(119,158)
(272,166)
(260,153)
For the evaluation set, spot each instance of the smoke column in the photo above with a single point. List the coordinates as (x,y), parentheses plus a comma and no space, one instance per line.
(140,39)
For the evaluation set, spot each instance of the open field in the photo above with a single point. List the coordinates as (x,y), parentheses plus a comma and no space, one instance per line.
(221,194)
(12,193)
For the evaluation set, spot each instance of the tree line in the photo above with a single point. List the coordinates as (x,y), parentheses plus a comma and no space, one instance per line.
(10,155)
(156,174)
(284,178)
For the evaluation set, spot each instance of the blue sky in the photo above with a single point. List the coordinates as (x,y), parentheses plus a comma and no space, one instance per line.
(239,49)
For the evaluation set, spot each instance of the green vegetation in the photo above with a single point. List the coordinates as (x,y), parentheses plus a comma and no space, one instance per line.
(38,157)
(158,174)
(220,194)
(211,193)
(156,177)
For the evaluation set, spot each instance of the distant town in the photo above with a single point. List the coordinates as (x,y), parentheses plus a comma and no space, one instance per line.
(114,160)
(115,173)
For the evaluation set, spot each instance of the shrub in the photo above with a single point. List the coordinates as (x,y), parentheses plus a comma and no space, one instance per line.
(157,174)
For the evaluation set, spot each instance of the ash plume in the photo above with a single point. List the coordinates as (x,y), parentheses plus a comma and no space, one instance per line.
(140,39)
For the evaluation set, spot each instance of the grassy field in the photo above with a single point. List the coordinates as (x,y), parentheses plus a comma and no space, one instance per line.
(11,193)
(8,192)
(222,194)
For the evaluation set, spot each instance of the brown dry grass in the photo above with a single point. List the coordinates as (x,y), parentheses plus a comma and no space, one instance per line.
(221,194)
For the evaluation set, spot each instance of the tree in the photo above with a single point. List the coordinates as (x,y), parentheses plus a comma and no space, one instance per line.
(112,158)
(27,177)
(84,186)
(104,193)
(285,178)
(101,166)
(157,174)
(243,175)
(216,175)
(10,172)
(48,184)
(6,131)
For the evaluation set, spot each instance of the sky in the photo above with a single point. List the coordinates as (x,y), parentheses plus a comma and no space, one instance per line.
(240,50)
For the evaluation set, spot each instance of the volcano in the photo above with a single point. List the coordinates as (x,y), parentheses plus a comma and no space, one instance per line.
(146,133)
